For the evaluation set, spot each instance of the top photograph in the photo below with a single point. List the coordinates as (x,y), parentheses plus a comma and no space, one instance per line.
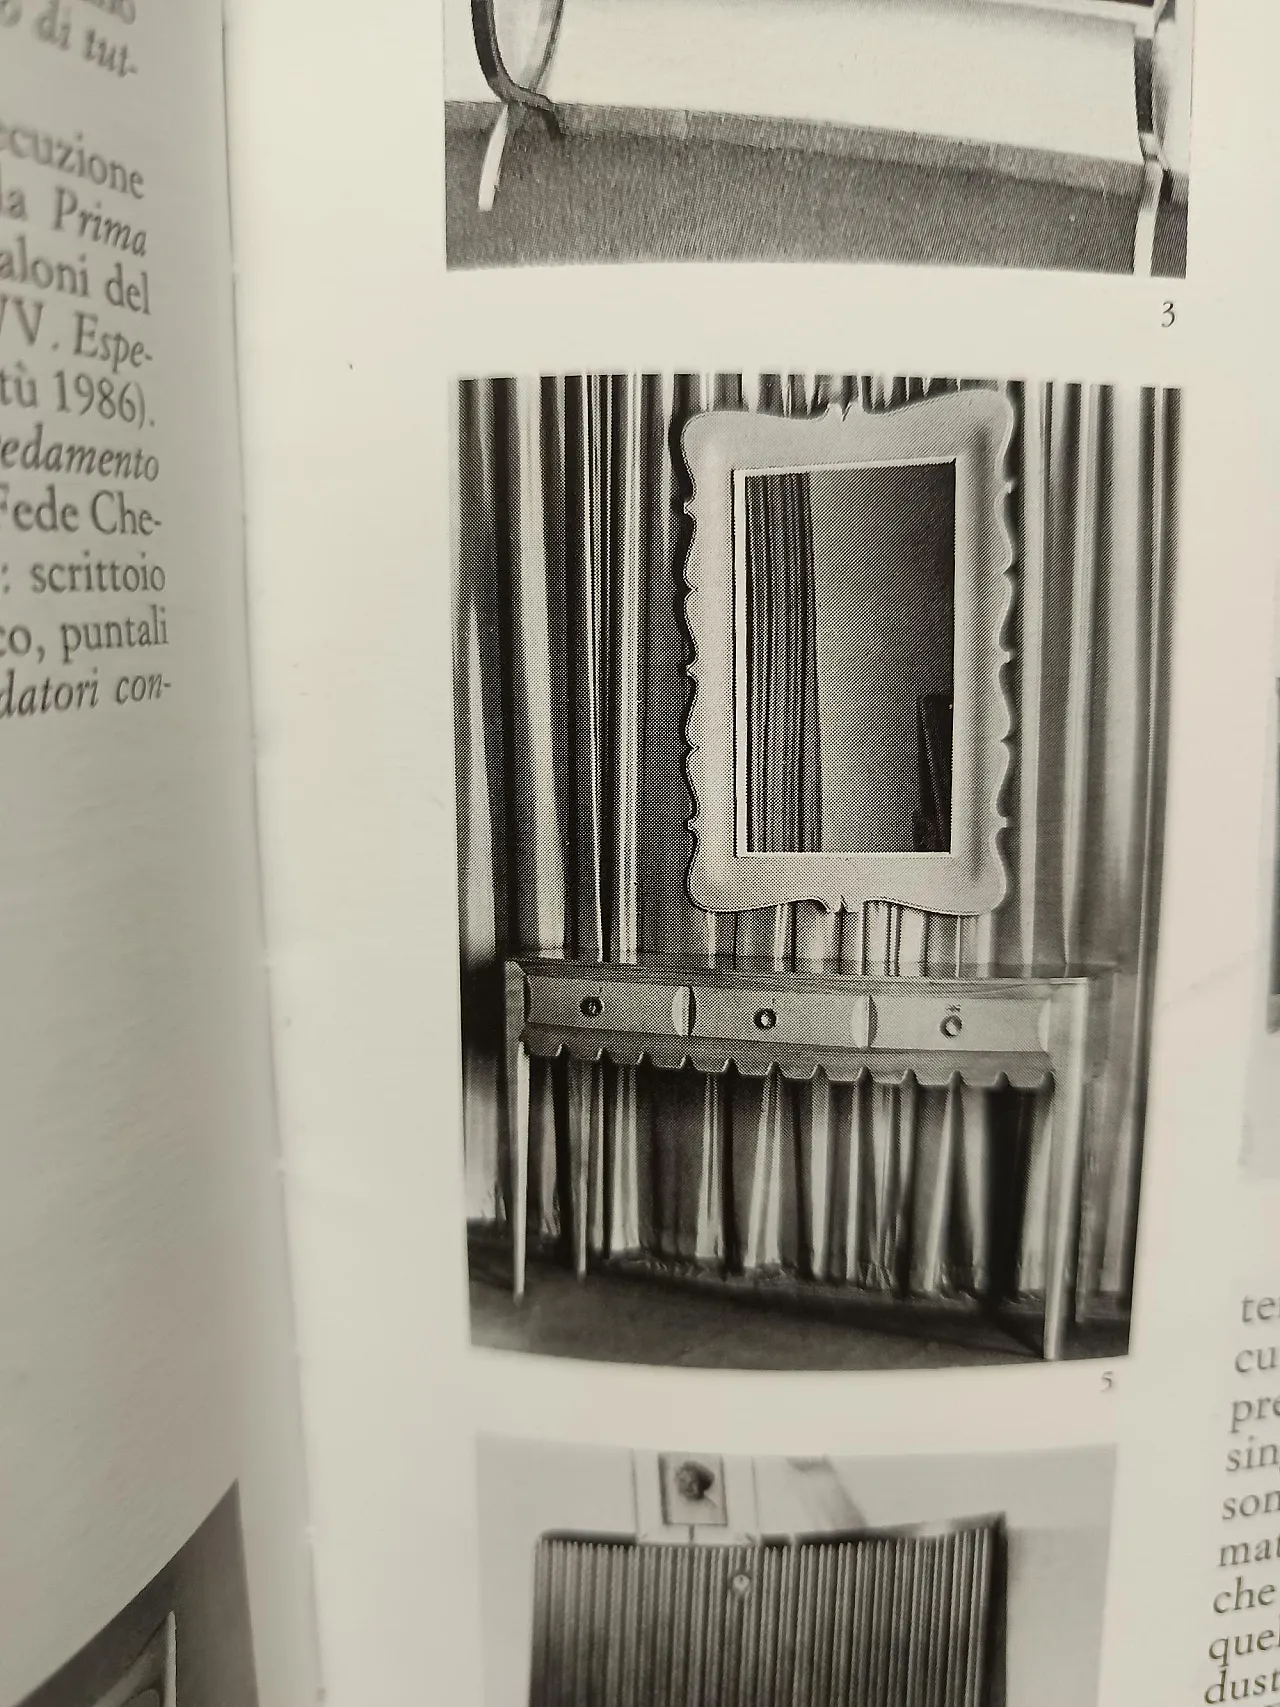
(994,133)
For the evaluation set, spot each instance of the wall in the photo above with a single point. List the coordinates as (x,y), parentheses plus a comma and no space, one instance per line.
(1057,1508)
(1056,83)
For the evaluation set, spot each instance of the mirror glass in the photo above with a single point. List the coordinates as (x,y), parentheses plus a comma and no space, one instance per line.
(844,658)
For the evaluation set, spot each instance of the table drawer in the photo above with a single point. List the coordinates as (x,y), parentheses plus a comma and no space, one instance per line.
(806,1019)
(918,1020)
(655,1010)
(945,1020)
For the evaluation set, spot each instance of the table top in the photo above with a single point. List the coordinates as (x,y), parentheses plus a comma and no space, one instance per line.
(815,975)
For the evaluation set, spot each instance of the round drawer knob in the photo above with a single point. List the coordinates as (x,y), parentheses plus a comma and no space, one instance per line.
(766,1019)
(952,1025)
(591,1006)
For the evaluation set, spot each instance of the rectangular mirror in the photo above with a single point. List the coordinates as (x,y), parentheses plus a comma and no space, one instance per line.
(848,583)
(844,675)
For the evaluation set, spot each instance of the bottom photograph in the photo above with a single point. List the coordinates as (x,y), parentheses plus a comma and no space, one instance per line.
(183,1641)
(642,1579)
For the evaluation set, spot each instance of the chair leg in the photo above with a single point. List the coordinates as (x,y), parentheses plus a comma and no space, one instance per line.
(491,170)
(1144,239)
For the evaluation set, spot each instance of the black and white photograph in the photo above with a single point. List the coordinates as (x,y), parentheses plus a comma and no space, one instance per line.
(1260,1155)
(622,1579)
(183,1641)
(810,759)
(997,133)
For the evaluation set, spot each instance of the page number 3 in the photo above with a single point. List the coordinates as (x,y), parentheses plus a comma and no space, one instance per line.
(1168,314)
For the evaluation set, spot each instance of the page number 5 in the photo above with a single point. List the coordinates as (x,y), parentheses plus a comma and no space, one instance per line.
(1168,314)
(1108,1380)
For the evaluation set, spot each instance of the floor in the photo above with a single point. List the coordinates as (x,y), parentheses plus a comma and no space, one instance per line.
(629,1319)
(622,198)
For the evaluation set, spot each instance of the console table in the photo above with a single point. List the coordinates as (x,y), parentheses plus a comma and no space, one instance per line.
(1027,1033)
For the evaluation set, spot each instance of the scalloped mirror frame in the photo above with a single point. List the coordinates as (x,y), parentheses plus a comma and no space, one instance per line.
(972,429)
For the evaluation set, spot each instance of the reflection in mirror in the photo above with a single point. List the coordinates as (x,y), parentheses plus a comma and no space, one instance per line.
(845,646)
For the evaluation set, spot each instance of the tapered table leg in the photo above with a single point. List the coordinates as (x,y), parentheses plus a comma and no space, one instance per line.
(517,1126)
(585,1128)
(1068,1052)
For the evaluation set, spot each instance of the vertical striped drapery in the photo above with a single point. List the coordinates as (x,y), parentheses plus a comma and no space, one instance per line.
(783,761)
(571,699)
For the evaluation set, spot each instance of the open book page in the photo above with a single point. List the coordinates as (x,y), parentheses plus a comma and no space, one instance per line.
(338,307)
(861,697)
(151,1507)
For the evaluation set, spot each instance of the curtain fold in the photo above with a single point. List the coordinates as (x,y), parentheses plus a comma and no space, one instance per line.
(571,696)
(783,760)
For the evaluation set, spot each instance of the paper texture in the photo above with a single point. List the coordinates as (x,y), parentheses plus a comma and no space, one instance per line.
(145,1333)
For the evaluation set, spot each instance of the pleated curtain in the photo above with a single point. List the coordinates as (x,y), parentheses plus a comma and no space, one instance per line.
(784,764)
(571,697)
